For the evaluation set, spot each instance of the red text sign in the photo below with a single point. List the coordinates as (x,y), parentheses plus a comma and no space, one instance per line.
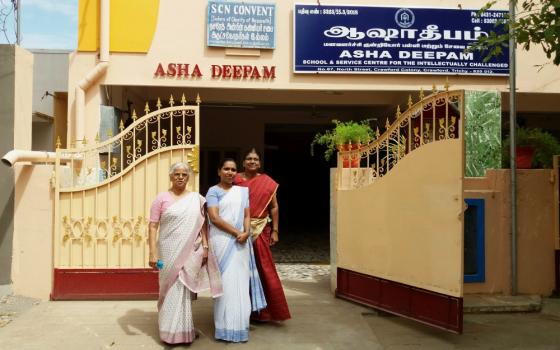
(224,71)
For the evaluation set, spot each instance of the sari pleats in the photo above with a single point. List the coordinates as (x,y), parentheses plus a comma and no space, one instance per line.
(233,309)
(175,316)
(261,190)
(277,306)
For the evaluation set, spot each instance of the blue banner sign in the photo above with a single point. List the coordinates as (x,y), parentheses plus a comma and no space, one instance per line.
(387,40)
(241,24)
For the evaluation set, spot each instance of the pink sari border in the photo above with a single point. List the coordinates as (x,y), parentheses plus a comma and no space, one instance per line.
(178,338)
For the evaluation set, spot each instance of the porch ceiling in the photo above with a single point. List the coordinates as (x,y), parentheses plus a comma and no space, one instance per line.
(380,102)
(255,97)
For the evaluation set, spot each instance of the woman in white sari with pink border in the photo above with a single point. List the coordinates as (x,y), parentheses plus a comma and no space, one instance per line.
(189,265)
(228,210)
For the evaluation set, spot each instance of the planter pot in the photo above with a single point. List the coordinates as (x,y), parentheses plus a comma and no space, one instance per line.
(355,161)
(524,157)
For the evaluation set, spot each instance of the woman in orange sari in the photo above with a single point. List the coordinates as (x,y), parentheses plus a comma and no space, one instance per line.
(264,233)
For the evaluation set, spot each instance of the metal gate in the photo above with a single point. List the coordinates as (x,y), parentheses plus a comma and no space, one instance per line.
(399,220)
(103,192)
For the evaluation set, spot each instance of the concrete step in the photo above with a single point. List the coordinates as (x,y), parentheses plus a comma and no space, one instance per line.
(488,303)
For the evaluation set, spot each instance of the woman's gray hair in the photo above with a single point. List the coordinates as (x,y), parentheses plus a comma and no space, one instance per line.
(180,165)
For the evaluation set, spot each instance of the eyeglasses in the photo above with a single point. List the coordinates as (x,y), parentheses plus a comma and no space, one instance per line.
(178,175)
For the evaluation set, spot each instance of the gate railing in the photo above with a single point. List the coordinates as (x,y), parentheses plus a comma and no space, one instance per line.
(99,162)
(436,117)
(103,190)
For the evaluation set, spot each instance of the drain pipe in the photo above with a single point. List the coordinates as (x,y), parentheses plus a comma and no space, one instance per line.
(15,156)
(512,134)
(94,74)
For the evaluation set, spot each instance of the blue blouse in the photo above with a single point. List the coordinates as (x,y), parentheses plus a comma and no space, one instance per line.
(216,193)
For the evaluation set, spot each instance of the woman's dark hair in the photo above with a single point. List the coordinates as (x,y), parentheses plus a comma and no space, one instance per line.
(252,150)
(224,161)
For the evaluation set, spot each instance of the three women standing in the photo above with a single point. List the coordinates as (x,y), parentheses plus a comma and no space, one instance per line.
(223,259)
(264,212)
(228,211)
(189,265)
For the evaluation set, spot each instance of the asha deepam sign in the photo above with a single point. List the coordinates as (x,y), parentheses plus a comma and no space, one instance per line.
(367,39)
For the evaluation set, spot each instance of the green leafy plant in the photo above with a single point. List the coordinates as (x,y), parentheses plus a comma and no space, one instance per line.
(483,132)
(343,133)
(544,143)
(536,23)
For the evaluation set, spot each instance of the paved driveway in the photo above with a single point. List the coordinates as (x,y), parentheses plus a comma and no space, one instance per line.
(320,321)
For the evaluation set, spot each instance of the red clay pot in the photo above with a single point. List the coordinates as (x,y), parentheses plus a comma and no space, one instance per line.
(355,159)
(524,157)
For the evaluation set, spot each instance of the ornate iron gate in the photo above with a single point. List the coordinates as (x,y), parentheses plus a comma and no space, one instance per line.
(400,214)
(103,192)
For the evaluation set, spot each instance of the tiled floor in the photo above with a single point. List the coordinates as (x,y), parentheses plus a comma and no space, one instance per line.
(305,247)
(302,272)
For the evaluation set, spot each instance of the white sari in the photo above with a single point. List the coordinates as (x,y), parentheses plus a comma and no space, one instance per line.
(242,290)
(180,248)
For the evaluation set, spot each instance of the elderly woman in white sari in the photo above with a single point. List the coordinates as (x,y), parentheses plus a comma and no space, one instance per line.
(189,265)
(228,210)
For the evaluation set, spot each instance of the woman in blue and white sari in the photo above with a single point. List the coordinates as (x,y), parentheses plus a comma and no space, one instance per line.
(229,213)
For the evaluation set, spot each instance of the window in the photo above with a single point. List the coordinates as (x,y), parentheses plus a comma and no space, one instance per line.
(474,241)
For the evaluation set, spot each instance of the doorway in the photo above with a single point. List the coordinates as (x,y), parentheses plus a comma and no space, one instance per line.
(303,194)
(283,134)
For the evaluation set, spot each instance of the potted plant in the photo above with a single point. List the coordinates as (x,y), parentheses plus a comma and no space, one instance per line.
(344,136)
(534,148)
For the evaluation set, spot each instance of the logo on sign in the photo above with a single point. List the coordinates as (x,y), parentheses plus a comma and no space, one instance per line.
(404,18)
